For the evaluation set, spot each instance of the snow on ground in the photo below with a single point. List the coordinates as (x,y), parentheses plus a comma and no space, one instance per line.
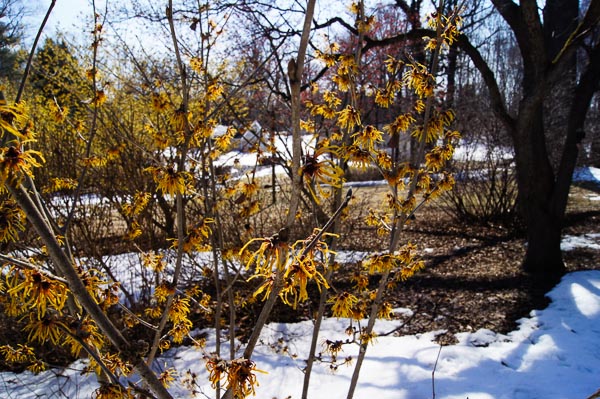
(554,353)
(475,151)
(591,241)
(587,174)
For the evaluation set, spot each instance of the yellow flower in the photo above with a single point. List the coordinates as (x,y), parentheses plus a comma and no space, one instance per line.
(380,263)
(328,59)
(83,330)
(343,81)
(15,122)
(326,112)
(214,91)
(385,311)
(22,354)
(48,328)
(251,208)
(249,189)
(37,292)
(153,312)
(167,377)
(266,287)
(112,391)
(367,338)
(94,162)
(368,138)
(435,159)
(180,330)
(307,126)
(223,142)
(430,44)
(197,236)
(393,66)
(37,367)
(160,101)
(241,378)
(169,180)
(418,78)
(272,252)
(179,119)
(15,162)
(217,369)
(297,276)
(360,280)
(179,310)
(348,118)
(162,291)
(319,168)
(134,231)
(12,221)
(424,181)
(343,304)
(384,160)
(153,261)
(59,184)
(99,98)
(384,98)
(419,106)
(164,345)
(400,124)
(333,347)
(332,99)
(358,156)
(447,182)
(196,64)
(138,204)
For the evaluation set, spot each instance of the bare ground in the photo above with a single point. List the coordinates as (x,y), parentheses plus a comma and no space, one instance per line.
(472,278)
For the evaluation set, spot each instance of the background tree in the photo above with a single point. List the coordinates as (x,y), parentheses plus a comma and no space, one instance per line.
(11,33)
(549,40)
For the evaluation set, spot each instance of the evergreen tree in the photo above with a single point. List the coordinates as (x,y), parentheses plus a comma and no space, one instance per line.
(11,33)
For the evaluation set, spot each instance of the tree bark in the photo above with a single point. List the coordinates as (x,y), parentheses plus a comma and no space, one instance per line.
(547,55)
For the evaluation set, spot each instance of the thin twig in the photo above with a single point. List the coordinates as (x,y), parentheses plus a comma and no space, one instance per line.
(433,372)
(32,52)
(30,266)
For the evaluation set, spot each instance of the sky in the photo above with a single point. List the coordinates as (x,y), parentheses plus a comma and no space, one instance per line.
(67,15)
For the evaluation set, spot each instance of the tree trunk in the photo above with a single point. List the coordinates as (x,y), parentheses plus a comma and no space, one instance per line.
(536,181)
(543,256)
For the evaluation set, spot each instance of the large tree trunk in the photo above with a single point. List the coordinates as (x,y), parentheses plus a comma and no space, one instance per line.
(537,189)
(548,49)
(543,256)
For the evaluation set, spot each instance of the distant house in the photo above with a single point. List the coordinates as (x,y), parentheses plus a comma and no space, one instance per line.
(252,136)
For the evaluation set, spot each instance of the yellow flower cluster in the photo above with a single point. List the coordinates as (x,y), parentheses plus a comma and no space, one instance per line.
(58,184)
(170,181)
(239,373)
(319,169)
(343,305)
(138,203)
(12,220)
(113,391)
(23,355)
(36,292)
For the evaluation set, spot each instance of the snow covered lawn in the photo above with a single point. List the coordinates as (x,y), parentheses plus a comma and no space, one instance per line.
(555,353)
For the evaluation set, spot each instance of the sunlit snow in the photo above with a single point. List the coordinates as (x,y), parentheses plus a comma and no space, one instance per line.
(554,353)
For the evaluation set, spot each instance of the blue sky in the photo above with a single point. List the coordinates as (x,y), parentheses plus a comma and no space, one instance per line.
(67,15)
